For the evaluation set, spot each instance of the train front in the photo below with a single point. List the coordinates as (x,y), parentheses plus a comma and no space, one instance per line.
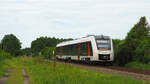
(105,49)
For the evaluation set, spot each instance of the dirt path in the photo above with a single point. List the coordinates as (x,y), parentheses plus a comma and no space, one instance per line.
(5,77)
(26,78)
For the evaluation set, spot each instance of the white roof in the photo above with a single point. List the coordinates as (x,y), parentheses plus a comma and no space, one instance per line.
(81,40)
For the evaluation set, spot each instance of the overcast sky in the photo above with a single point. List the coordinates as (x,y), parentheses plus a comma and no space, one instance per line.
(29,19)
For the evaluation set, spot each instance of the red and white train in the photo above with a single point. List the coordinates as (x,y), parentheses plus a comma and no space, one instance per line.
(90,48)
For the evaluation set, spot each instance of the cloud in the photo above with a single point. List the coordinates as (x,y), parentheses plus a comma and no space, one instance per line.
(29,19)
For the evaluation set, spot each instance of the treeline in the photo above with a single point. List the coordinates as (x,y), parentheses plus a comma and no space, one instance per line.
(45,46)
(135,46)
(10,45)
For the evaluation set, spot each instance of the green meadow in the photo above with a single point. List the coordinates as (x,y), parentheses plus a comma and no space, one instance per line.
(43,72)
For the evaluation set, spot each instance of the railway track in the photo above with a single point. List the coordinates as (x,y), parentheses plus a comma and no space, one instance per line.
(123,71)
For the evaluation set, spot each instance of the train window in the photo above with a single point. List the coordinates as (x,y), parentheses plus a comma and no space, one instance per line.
(84,49)
(72,50)
(61,50)
(68,50)
(64,50)
(57,51)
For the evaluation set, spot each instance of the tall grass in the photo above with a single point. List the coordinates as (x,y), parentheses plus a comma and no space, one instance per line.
(41,72)
(4,62)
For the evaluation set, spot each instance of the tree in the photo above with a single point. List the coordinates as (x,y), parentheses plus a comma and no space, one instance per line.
(135,46)
(48,52)
(27,51)
(137,34)
(116,42)
(11,44)
(42,42)
(122,54)
(143,51)
(0,46)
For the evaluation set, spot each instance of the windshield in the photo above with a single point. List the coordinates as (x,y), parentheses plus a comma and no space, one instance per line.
(103,44)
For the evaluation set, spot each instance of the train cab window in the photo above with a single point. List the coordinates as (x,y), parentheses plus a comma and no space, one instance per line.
(103,44)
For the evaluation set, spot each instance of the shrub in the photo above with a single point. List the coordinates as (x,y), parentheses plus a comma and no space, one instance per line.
(3,61)
(4,55)
(48,52)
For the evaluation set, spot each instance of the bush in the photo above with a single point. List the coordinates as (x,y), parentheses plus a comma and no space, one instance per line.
(48,52)
(4,55)
(143,52)
(3,61)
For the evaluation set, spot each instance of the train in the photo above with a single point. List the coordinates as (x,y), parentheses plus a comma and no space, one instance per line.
(92,48)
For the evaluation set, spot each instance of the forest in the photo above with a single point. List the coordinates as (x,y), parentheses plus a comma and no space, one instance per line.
(135,47)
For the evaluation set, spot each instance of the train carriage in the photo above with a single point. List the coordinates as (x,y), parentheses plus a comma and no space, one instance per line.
(90,48)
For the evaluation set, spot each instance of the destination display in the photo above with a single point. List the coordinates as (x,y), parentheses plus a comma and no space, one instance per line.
(102,41)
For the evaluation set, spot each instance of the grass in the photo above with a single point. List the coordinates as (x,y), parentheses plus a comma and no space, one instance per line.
(15,77)
(4,62)
(42,72)
(4,66)
(138,65)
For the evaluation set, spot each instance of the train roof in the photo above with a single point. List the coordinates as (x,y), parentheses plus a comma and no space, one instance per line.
(83,39)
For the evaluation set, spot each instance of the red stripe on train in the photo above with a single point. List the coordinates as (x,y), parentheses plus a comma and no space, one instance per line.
(78,51)
(89,49)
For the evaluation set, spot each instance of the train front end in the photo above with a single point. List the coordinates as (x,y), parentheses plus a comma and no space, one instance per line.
(104,49)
